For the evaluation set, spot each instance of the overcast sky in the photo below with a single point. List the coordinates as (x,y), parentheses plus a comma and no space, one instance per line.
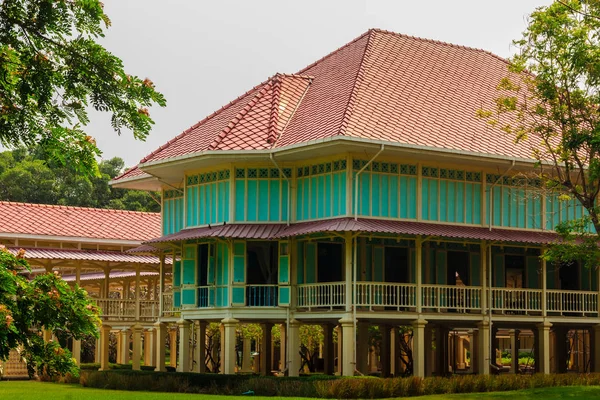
(203,54)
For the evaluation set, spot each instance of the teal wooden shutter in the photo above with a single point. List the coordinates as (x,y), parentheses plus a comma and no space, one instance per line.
(498,269)
(284,273)
(188,276)
(238,292)
(300,263)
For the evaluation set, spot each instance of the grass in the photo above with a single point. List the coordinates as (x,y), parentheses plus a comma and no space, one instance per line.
(27,390)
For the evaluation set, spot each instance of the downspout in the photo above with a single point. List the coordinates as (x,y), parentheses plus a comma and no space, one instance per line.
(355,242)
(281,173)
(490,257)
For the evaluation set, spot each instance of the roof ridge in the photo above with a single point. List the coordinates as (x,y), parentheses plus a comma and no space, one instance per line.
(57,206)
(239,116)
(441,42)
(272,133)
(334,52)
(357,81)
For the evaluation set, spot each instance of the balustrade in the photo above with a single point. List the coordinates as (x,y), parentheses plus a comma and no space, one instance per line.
(318,295)
(572,302)
(375,294)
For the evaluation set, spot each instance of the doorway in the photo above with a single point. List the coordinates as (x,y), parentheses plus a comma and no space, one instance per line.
(568,276)
(396,265)
(514,271)
(329,262)
(203,297)
(458,268)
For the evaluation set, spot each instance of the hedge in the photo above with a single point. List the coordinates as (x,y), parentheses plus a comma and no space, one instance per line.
(324,386)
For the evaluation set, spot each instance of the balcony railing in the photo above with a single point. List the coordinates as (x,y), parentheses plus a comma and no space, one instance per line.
(168,308)
(125,310)
(451,298)
(572,302)
(516,300)
(320,295)
(377,294)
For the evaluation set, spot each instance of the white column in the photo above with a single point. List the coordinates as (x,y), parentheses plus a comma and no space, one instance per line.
(104,340)
(418,349)
(161,287)
(348,338)
(184,345)
(544,284)
(124,347)
(149,347)
(282,347)
(246,355)
(97,351)
(76,351)
(483,347)
(544,347)
(229,336)
(160,340)
(293,333)
(173,347)
(137,293)
(137,347)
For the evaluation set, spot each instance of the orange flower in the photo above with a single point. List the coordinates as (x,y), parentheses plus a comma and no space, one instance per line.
(144,111)
(21,254)
(148,83)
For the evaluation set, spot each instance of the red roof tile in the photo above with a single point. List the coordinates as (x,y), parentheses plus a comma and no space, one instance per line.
(80,222)
(234,231)
(383,86)
(85,255)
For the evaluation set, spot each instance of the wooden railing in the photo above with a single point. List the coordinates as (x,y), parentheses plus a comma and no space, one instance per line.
(378,294)
(125,310)
(320,295)
(516,300)
(572,302)
(168,309)
(451,297)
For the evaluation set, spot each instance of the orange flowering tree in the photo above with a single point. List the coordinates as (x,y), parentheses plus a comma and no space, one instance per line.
(47,302)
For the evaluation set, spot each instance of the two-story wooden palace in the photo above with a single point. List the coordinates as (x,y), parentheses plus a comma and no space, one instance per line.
(363,190)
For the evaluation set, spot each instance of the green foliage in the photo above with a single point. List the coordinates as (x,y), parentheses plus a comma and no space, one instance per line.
(51,72)
(45,302)
(323,386)
(550,98)
(26,176)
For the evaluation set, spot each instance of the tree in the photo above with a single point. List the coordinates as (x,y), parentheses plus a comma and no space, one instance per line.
(551,99)
(52,70)
(46,302)
(26,176)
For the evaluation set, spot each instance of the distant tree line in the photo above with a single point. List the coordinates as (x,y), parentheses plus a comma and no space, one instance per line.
(29,176)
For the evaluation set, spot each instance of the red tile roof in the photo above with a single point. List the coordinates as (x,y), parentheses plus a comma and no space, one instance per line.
(86,255)
(382,86)
(92,223)
(278,231)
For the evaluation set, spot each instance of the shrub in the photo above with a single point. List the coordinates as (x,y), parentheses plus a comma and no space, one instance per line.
(323,386)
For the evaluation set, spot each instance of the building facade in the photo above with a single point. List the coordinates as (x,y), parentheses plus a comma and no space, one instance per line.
(364,191)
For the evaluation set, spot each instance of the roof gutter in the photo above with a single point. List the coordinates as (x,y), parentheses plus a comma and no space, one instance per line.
(289,183)
(356,180)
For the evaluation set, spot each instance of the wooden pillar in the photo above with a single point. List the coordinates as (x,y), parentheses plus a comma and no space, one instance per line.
(514,348)
(173,347)
(429,354)
(328,349)
(123,353)
(282,347)
(294,361)
(265,350)
(97,351)
(200,349)
(76,351)
(348,270)
(229,337)
(246,354)
(384,357)
(560,349)
(161,286)
(596,347)
(348,338)
(483,347)
(362,348)
(137,293)
(419,347)
(543,347)
(149,348)
(160,341)
(104,341)
(184,345)
(137,346)
(419,268)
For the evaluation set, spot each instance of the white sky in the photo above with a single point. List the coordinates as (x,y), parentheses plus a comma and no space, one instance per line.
(202,54)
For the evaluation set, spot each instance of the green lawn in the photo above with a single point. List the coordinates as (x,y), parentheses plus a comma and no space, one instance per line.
(23,390)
